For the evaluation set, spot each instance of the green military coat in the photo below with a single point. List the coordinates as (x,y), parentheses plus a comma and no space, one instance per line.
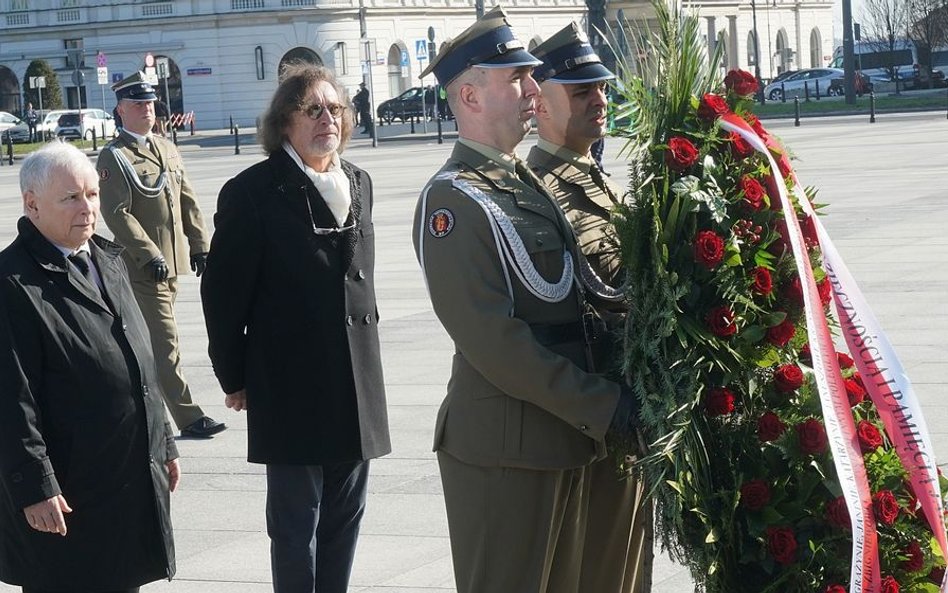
(148,224)
(498,258)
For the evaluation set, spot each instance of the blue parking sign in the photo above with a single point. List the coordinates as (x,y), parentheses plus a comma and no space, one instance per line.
(421,49)
(404,58)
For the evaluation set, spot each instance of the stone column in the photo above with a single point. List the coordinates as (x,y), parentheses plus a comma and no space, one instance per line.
(732,42)
(712,36)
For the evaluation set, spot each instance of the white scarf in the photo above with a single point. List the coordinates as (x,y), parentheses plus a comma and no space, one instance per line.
(333,185)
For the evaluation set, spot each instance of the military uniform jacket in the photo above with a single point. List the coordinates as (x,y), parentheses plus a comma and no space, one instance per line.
(169,224)
(513,399)
(81,415)
(587,206)
(292,316)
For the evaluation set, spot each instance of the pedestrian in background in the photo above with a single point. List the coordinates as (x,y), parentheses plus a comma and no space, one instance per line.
(292,319)
(87,457)
(32,120)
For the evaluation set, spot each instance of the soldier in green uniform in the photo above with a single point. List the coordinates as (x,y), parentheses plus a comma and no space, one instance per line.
(524,415)
(571,116)
(150,207)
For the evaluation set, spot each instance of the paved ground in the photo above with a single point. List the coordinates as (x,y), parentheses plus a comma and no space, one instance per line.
(887,184)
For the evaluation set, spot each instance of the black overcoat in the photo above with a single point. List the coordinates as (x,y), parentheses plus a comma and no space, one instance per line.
(80,415)
(292,318)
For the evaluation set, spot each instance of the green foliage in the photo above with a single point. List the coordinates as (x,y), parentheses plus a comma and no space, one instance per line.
(52,94)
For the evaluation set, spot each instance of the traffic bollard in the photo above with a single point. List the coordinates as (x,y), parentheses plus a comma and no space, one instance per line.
(412,120)
(783,93)
(236,139)
(174,135)
(817,90)
(440,135)
(796,111)
(872,107)
(10,149)
(232,131)
(95,145)
(806,90)
(192,126)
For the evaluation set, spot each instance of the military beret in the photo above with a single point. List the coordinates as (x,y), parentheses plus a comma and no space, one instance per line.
(488,43)
(134,88)
(568,58)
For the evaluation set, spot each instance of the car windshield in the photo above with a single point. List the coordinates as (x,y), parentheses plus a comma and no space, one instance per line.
(69,119)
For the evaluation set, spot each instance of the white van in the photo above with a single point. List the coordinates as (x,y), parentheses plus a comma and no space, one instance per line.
(877,61)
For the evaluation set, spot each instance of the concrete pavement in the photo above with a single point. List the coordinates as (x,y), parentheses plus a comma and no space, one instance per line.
(887,186)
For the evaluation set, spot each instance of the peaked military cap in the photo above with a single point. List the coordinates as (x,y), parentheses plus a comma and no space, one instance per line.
(134,88)
(568,58)
(488,43)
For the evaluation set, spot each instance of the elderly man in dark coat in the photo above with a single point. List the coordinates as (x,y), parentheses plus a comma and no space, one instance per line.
(87,458)
(289,302)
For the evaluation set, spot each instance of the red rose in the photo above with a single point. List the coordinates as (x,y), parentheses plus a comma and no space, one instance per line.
(845,361)
(740,82)
(788,378)
(721,321)
(739,147)
(886,507)
(854,391)
(889,585)
(808,230)
(761,281)
(837,513)
(825,292)
(870,438)
(770,427)
(681,154)
(812,437)
(835,589)
(793,291)
(709,249)
(782,544)
(712,107)
(805,354)
(751,119)
(937,574)
(755,495)
(719,402)
(753,192)
(916,560)
(780,334)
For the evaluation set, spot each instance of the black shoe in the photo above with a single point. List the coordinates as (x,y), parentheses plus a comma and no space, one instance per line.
(204,428)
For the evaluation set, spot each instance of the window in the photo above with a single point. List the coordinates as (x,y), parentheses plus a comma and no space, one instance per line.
(74,50)
(342,64)
(16,5)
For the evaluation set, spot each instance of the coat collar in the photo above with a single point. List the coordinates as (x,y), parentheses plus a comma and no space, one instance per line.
(131,143)
(575,174)
(104,253)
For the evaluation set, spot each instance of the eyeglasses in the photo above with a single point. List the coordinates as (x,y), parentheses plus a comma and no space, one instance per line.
(324,231)
(315,111)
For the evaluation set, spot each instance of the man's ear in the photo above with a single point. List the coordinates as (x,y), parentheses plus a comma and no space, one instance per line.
(29,203)
(469,96)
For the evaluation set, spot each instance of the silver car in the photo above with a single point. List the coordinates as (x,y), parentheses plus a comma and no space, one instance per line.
(827,80)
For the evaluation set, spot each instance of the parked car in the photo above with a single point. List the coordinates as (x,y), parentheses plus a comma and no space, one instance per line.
(8,120)
(18,133)
(73,126)
(796,85)
(405,106)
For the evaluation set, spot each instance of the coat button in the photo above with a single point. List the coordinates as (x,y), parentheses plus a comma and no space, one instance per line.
(367,319)
(360,275)
(583,427)
(349,320)
(145,389)
(124,327)
(539,241)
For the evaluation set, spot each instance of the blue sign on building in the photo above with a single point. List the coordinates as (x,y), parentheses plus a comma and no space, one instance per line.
(421,49)
(404,58)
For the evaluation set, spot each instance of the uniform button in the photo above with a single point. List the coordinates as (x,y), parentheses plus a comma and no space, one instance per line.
(367,319)
(151,458)
(145,389)
(583,427)
(124,327)
(348,319)
(360,275)
(539,241)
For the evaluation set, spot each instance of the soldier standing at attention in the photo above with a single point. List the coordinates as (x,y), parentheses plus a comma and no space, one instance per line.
(523,417)
(571,117)
(150,207)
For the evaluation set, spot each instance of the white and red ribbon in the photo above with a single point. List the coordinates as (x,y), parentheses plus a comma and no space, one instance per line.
(837,413)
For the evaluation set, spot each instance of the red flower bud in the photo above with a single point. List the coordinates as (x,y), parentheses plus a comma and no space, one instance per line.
(681,154)
(782,544)
(753,192)
(781,334)
(869,436)
(712,107)
(812,436)
(719,402)
(740,82)
(761,281)
(886,507)
(721,321)
(788,378)
(837,513)
(709,249)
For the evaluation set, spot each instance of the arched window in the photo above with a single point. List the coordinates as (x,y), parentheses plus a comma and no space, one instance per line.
(300,54)
(399,69)
(752,49)
(816,49)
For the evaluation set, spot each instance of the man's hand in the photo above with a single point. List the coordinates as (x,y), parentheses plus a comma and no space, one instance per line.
(174,474)
(159,268)
(237,400)
(47,516)
(198,263)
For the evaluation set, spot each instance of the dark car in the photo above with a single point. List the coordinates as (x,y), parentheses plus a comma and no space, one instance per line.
(405,106)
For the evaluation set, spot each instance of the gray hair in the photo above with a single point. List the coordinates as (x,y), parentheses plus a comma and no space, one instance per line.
(37,170)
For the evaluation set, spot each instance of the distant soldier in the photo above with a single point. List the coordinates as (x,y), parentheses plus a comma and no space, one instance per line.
(32,119)
(363,107)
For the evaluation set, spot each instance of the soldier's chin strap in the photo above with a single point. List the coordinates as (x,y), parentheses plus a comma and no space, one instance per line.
(128,171)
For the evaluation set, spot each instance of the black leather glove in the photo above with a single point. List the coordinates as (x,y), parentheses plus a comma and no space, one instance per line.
(198,263)
(159,269)
(625,416)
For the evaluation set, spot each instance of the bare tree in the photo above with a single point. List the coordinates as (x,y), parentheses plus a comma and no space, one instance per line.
(928,28)
(885,26)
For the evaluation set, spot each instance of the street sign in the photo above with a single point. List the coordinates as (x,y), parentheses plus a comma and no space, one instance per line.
(161,64)
(421,50)
(37,82)
(100,60)
(149,60)
(151,75)
(404,58)
(117,77)
(103,74)
(78,78)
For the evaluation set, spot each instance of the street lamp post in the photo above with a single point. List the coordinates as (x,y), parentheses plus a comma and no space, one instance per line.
(760,86)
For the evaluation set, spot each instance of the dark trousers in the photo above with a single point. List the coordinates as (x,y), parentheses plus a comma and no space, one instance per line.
(313,517)
(29,590)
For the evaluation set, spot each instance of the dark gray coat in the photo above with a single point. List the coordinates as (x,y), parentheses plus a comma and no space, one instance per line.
(80,415)
(291,316)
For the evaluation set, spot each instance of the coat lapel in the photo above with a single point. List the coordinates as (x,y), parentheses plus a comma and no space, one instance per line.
(351,237)
(105,255)
(129,142)
(573,175)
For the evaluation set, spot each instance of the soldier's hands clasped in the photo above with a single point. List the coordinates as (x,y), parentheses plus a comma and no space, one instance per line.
(159,268)
(198,263)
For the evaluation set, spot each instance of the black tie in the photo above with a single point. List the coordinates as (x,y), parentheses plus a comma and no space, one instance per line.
(83,262)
